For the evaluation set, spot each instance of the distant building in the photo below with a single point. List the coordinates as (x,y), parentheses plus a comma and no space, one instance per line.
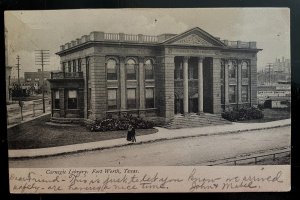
(8,82)
(35,79)
(280,90)
(280,70)
(108,74)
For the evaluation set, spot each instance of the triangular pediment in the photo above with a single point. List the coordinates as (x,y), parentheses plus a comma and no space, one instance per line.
(194,37)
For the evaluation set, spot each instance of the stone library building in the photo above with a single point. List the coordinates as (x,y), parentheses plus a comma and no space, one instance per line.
(155,77)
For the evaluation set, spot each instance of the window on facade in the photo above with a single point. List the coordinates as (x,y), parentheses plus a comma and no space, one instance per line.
(222,75)
(149,97)
(131,98)
(79,64)
(178,74)
(193,72)
(74,65)
(244,70)
(222,94)
(89,99)
(112,99)
(111,67)
(131,69)
(29,79)
(232,69)
(69,66)
(87,64)
(149,71)
(36,79)
(244,93)
(72,99)
(232,94)
(56,100)
(64,67)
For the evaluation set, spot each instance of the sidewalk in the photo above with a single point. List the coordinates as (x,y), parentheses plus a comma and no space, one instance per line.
(162,134)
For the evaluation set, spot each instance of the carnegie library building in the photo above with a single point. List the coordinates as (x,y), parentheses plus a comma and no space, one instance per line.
(152,76)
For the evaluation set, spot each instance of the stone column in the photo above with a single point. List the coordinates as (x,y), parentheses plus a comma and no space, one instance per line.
(239,81)
(226,95)
(123,83)
(200,85)
(141,83)
(185,85)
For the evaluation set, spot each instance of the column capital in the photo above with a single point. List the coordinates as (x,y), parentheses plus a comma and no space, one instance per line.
(186,58)
(122,59)
(200,58)
(141,59)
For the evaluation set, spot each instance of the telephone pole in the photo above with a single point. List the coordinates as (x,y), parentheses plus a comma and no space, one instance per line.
(42,58)
(269,68)
(19,85)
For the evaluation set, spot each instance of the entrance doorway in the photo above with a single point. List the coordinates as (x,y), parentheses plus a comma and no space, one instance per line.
(178,105)
(193,105)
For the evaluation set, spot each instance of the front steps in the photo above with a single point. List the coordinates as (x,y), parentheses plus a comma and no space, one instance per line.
(194,120)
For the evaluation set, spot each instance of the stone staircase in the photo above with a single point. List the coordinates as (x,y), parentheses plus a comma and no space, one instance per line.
(66,120)
(194,120)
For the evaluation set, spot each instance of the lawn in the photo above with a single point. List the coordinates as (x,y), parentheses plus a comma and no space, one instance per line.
(271,115)
(38,134)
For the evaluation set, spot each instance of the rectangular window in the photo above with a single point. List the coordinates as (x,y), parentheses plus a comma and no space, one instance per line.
(244,71)
(131,98)
(69,66)
(222,70)
(149,74)
(56,100)
(72,99)
(232,94)
(131,72)
(79,65)
(149,97)
(244,93)
(89,99)
(222,94)
(112,99)
(74,65)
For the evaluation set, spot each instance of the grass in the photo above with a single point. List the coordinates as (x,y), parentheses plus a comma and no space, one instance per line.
(38,134)
(271,115)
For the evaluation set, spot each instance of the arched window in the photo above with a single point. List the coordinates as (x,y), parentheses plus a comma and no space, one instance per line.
(232,69)
(111,67)
(149,70)
(131,69)
(244,70)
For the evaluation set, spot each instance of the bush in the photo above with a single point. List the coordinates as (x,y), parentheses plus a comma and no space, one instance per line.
(243,114)
(122,123)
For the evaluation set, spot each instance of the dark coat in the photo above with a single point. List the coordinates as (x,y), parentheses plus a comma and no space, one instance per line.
(130,134)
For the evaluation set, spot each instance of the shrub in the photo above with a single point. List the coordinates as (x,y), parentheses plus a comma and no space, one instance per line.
(122,123)
(243,114)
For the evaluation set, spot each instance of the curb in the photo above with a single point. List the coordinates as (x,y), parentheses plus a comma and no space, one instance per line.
(163,138)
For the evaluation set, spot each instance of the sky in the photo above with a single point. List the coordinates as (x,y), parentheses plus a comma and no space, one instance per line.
(27,31)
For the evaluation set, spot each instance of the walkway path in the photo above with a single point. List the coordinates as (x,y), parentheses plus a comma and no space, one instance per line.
(162,134)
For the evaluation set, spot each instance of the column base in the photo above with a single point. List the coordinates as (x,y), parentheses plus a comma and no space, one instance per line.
(200,113)
(186,114)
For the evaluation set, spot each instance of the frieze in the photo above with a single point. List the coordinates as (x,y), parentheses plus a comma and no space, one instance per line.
(193,51)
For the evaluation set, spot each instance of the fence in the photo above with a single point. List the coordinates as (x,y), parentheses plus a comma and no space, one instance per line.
(253,159)
(30,109)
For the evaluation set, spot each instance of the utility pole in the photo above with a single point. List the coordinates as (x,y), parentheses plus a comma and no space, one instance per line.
(42,58)
(269,68)
(19,85)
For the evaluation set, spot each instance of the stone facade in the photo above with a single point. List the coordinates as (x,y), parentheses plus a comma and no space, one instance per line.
(153,76)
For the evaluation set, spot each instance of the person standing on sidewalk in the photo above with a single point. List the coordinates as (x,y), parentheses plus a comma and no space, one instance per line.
(131,134)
